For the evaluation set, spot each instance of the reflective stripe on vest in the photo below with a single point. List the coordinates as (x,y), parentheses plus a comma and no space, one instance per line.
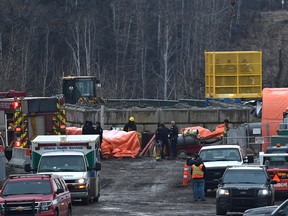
(197,171)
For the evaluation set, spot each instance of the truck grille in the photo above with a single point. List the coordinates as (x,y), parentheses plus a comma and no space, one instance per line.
(243,198)
(28,208)
(211,177)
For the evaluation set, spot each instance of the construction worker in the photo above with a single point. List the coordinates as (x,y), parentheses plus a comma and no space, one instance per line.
(173,137)
(158,144)
(99,130)
(88,128)
(226,129)
(130,126)
(198,177)
(164,133)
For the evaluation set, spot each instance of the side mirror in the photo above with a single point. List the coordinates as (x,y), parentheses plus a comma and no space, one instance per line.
(27,168)
(60,190)
(97,166)
(273,182)
(220,181)
(250,158)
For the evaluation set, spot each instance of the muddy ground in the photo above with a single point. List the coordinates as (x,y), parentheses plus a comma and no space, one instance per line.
(145,187)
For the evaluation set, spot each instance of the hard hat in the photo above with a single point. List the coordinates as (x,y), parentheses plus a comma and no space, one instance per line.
(131,118)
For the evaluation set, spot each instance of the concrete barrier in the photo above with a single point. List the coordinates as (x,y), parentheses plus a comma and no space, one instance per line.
(20,156)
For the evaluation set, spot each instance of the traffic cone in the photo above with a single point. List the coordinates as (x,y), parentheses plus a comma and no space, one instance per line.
(276,178)
(185,175)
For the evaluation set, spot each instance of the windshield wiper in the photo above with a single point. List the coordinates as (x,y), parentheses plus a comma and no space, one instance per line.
(47,170)
(69,170)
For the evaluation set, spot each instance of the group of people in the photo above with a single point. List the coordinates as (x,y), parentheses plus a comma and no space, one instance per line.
(166,139)
(88,128)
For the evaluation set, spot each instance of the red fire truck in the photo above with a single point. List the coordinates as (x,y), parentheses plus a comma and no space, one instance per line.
(277,167)
(23,118)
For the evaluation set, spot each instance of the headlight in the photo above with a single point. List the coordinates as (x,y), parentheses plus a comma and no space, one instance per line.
(223,192)
(81,181)
(45,206)
(263,192)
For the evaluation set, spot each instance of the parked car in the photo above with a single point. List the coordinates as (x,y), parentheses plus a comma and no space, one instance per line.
(244,187)
(269,210)
(34,194)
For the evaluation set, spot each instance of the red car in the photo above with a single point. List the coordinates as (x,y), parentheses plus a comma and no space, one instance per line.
(35,194)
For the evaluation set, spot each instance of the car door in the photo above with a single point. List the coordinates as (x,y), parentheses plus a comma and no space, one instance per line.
(60,198)
(66,194)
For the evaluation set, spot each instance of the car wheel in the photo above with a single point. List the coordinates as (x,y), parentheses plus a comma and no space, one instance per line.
(56,213)
(220,211)
(182,154)
(86,200)
(69,213)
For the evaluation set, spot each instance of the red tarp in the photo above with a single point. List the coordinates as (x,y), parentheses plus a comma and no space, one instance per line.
(274,103)
(206,133)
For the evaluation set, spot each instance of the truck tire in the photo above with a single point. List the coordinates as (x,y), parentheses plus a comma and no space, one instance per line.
(86,200)
(220,211)
(182,154)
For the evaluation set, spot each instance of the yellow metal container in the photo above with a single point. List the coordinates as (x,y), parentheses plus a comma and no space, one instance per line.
(235,74)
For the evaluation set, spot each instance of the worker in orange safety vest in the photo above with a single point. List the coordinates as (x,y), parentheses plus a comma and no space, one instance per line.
(198,176)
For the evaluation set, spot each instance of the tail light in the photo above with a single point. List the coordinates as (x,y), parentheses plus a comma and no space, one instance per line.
(18,131)
(62,129)
(15,105)
(17,144)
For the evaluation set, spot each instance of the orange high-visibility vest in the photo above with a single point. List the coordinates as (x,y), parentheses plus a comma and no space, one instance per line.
(197,171)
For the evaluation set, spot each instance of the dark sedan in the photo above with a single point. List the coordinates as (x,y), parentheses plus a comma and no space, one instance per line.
(280,210)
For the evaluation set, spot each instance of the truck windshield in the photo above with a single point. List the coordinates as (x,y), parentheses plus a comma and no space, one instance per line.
(27,187)
(224,154)
(276,161)
(85,87)
(62,163)
(251,176)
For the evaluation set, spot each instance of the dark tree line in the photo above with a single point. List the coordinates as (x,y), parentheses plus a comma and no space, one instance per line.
(137,48)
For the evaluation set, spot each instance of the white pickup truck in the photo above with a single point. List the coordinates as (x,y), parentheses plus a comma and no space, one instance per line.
(216,158)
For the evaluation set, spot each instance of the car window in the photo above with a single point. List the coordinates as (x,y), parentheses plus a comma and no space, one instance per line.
(27,187)
(64,185)
(58,184)
(251,176)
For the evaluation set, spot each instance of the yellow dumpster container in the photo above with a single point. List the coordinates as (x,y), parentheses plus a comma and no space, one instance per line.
(234,74)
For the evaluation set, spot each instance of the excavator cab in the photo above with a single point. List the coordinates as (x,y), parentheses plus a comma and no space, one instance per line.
(77,88)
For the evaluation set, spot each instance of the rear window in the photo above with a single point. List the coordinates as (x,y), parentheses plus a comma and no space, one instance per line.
(251,176)
(27,187)
(227,154)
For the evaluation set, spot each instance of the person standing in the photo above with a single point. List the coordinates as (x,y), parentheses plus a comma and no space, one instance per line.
(130,126)
(99,131)
(198,176)
(158,144)
(88,128)
(226,129)
(173,136)
(164,133)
